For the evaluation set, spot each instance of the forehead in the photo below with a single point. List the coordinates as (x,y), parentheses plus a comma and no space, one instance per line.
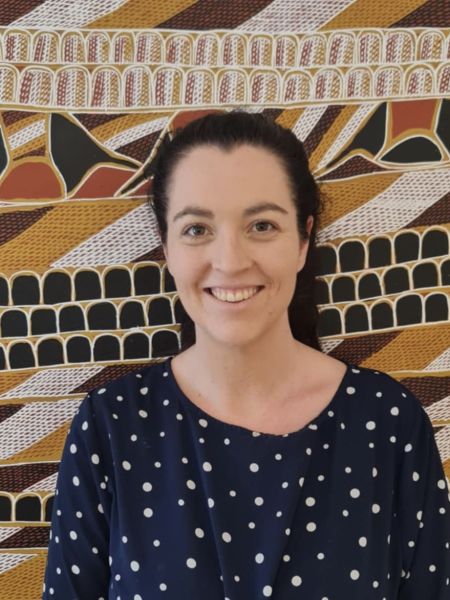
(244,172)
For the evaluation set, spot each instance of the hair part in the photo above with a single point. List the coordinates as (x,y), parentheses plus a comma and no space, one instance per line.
(228,131)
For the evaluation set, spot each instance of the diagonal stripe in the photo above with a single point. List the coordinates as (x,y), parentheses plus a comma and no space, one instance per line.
(34,421)
(48,484)
(308,120)
(134,133)
(347,132)
(123,241)
(381,13)
(27,134)
(52,382)
(6,532)
(292,15)
(394,208)
(67,13)
(440,363)
(12,561)
(139,14)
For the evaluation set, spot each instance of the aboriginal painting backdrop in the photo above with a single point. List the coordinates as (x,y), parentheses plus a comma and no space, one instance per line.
(87,89)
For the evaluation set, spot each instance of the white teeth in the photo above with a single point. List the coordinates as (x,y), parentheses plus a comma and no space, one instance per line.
(228,296)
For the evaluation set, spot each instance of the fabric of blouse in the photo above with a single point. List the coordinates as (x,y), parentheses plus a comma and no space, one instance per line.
(157,499)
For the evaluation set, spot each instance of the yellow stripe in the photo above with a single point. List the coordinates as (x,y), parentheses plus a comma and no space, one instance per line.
(70,223)
(341,197)
(140,14)
(412,350)
(380,14)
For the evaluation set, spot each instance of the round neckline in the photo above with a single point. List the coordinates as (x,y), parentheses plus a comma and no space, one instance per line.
(199,412)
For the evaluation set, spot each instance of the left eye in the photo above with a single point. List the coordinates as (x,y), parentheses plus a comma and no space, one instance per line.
(265,223)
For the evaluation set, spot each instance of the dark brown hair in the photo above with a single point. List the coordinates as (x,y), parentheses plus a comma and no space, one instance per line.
(227,131)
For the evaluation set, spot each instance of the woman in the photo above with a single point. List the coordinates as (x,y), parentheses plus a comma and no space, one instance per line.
(251,465)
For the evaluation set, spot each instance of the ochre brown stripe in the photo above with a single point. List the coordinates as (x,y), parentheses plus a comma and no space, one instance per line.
(322,126)
(360,349)
(383,13)
(420,386)
(10,10)
(107,374)
(14,116)
(435,13)
(437,214)
(141,14)
(210,14)
(16,478)
(27,537)
(14,223)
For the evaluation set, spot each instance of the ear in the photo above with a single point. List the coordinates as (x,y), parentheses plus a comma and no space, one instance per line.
(304,244)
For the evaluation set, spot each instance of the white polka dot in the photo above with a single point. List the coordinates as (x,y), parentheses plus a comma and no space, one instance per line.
(348,470)
(226,537)
(286,558)
(210,502)
(94,550)
(259,501)
(321,556)
(181,502)
(199,532)
(85,425)
(354,574)
(207,466)
(296,580)
(379,394)
(75,569)
(370,425)
(355,493)
(179,417)
(134,565)
(191,563)
(226,441)
(267,591)
(232,493)
(124,539)
(203,422)
(119,398)
(73,448)
(441,484)
(350,390)
(147,486)
(362,541)
(95,459)
(251,525)
(156,543)
(311,526)
(143,413)
(143,390)
(191,484)
(310,501)
(163,587)
(376,508)
(284,485)
(259,558)
(254,468)
(166,402)
(395,411)
(73,535)
(415,476)
(278,457)
(126,465)
(408,448)
(148,512)
(75,480)
(133,437)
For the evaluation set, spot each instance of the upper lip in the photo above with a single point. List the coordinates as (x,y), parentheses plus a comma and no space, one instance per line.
(233,287)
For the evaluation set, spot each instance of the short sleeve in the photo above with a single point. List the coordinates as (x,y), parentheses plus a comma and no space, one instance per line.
(424,513)
(77,565)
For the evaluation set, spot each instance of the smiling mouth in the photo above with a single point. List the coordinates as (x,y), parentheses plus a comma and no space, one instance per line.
(229,300)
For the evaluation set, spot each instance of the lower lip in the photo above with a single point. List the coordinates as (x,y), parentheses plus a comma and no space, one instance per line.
(234,305)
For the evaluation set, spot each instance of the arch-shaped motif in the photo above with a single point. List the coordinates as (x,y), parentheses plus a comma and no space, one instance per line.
(168,83)
(16,46)
(73,49)
(199,87)
(431,45)
(72,87)
(36,86)
(206,50)
(419,81)
(399,47)
(9,77)
(260,50)
(137,86)
(233,49)
(312,50)
(265,87)
(97,47)
(369,47)
(358,83)
(178,49)
(443,79)
(122,48)
(297,86)
(286,50)
(231,86)
(45,47)
(388,81)
(149,47)
(340,48)
(328,84)
(106,88)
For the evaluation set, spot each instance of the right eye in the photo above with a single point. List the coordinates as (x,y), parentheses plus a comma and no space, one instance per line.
(194,226)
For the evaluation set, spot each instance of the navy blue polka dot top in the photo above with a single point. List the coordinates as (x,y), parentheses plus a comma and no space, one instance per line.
(157,500)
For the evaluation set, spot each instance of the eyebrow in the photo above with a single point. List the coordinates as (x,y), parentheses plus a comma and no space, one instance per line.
(249,211)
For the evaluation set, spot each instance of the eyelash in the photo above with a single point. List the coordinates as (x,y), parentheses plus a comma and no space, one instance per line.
(184,233)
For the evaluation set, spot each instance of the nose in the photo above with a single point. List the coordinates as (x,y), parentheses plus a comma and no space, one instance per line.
(230,253)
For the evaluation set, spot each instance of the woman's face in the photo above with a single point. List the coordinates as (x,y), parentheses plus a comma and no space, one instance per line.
(222,234)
